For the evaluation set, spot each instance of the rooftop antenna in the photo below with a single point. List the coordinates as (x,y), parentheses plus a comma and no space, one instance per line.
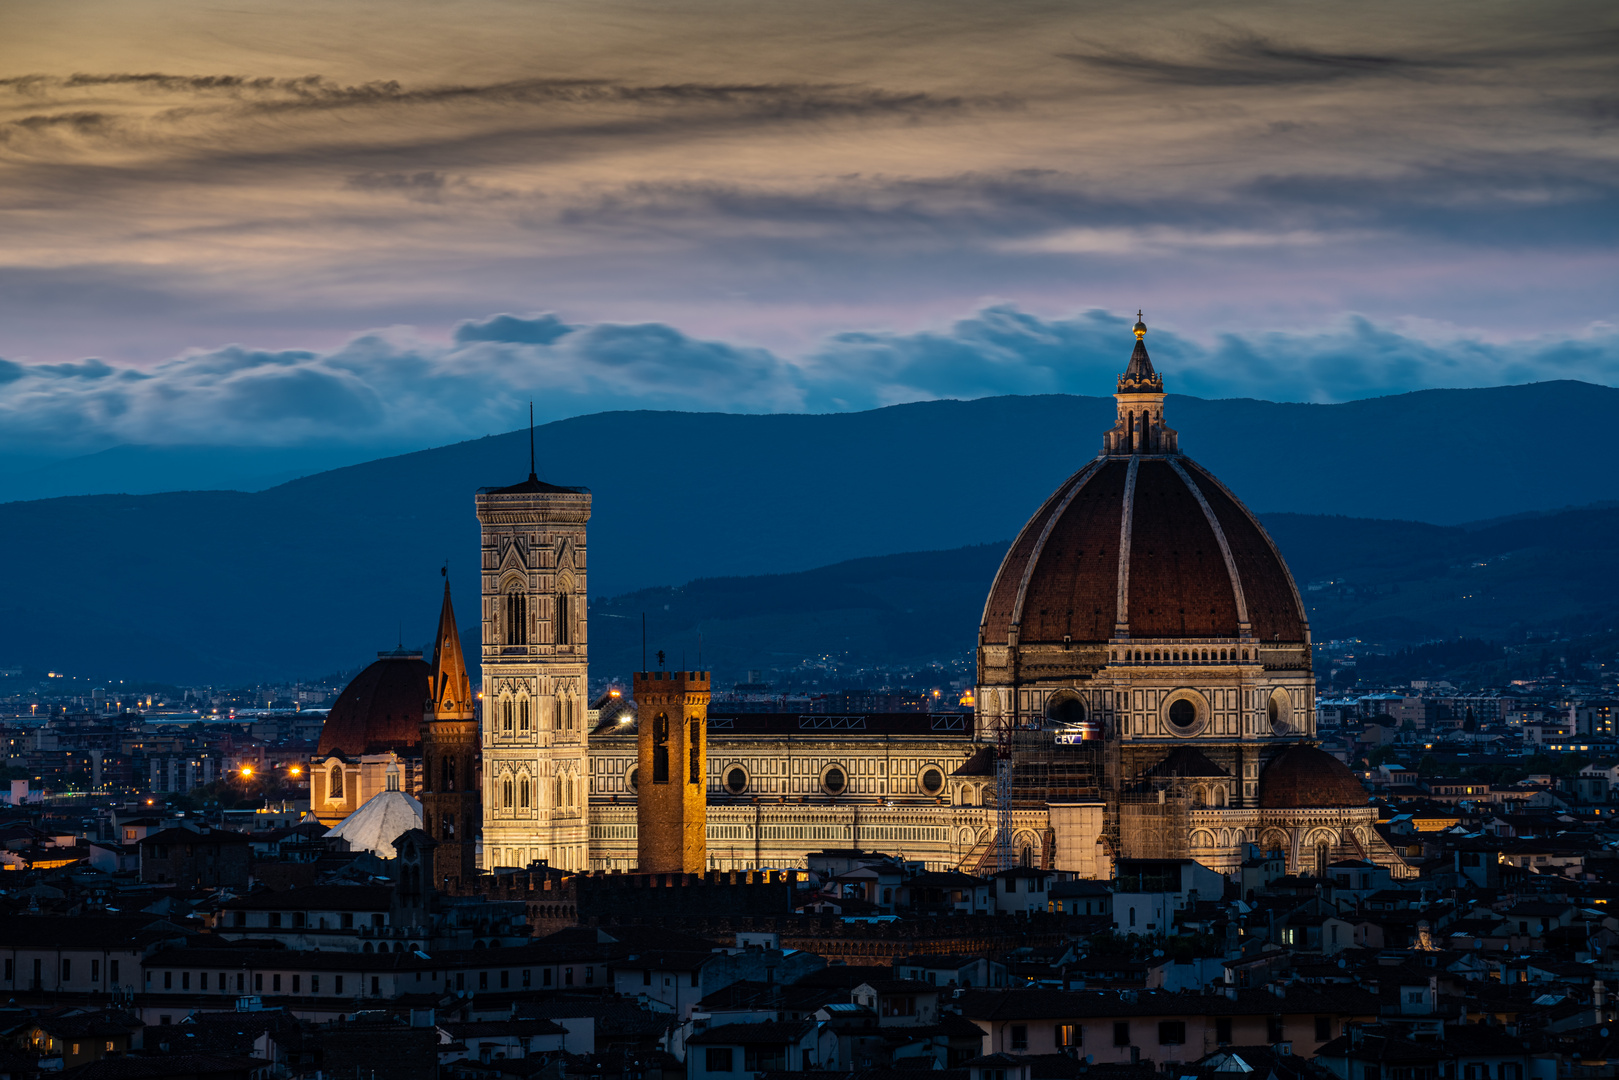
(531,473)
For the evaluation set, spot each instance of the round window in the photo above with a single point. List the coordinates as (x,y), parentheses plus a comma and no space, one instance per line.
(736,781)
(932,781)
(633,777)
(1280,712)
(1064,709)
(1183,716)
(834,781)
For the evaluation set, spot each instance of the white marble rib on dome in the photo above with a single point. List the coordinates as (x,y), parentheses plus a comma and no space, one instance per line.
(378,822)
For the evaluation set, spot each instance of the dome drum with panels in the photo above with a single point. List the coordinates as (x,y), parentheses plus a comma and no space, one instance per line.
(1141,613)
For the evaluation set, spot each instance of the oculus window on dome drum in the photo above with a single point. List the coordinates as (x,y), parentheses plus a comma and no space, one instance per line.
(834,781)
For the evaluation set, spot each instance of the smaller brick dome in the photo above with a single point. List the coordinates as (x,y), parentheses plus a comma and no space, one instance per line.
(1303,776)
(380,710)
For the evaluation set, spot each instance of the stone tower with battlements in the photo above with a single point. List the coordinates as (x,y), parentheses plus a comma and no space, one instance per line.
(671,771)
(450,803)
(535,766)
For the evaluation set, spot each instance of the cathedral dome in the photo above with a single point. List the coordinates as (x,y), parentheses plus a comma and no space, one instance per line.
(1304,776)
(380,710)
(1196,562)
(1142,542)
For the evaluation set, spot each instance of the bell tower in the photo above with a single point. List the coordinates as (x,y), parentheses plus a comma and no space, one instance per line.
(450,803)
(671,790)
(535,654)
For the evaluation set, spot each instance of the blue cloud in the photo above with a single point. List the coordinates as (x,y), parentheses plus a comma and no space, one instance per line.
(393,389)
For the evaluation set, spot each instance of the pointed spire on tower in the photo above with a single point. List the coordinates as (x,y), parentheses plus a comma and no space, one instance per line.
(449,689)
(1139,376)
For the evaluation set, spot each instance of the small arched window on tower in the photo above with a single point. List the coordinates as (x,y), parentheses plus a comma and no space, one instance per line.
(522,793)
(506,791)
(694,775)
(334,785)
(447,773)
(447,827)
(506,714)
(660,749)
(564,626)
(522,714)
(516,618)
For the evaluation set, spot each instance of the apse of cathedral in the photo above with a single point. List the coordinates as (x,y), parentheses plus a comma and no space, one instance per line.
(1144,691)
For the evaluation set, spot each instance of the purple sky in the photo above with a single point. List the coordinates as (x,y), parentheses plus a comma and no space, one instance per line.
(767,206)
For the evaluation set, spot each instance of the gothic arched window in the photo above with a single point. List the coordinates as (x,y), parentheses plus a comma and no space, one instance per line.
(506,714)
(516,618)
(522,793)
(334,787)
(447,772)
(522,714)
(506,790)
(564,633)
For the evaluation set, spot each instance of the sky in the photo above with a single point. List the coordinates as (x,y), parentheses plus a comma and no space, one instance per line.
(393,224)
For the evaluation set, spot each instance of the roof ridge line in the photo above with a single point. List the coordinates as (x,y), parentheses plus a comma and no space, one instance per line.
(1121,610)
(1244,626)
(1076,484)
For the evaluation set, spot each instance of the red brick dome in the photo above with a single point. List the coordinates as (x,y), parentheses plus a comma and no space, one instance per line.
(381,710)
(1303,776)
(1197,563)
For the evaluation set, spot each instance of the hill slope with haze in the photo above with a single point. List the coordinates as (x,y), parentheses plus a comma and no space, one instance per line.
(319,573)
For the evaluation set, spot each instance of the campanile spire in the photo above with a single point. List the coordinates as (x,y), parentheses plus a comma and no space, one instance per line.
(1140,427)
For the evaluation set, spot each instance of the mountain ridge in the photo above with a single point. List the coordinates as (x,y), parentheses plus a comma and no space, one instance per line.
(305,576)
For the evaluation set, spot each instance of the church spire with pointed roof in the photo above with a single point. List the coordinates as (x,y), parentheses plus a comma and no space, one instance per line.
(449,690)
(451,805)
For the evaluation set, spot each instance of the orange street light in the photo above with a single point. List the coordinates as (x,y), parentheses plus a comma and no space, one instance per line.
(247,770)
(295,770)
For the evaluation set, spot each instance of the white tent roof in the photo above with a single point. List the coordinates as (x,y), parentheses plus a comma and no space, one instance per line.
(379,821)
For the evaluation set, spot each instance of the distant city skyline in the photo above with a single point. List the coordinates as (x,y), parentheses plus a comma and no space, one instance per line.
(303,223)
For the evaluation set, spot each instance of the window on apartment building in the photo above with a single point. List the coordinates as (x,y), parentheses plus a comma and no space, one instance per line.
(258,982)
(241,981)
(545,977)
(567,976)
(1323,1028)
(1171,1032)
(168,980)
(718,1059)
(337,984)
(1121,1033)
(202,980)
(1222,1030)
(275,983)
(295,980)
(314,984)
(694,975)
(11,970)
(646,977)
(1020,1037)
(1070,1035)
(67,969)
(275,919)
(483,980)
(1273,1029)
(347,921)
(239,918)
(95,970)
(505,980)
(528,978)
